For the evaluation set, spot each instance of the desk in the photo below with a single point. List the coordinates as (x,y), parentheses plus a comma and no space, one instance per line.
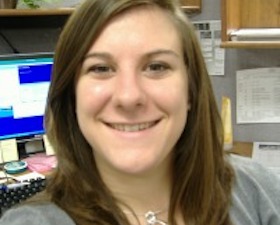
(242,148)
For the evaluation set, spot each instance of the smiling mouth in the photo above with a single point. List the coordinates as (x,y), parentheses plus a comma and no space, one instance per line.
(132,127)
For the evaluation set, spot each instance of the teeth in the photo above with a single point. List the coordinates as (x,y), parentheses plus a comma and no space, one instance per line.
(132,128)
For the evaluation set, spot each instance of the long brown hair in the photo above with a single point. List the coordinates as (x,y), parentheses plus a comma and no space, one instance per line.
(202,179)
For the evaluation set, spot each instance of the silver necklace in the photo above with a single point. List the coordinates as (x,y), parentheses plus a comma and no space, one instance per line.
(151,217)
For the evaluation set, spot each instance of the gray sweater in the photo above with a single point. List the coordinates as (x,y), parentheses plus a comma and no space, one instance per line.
(255,201)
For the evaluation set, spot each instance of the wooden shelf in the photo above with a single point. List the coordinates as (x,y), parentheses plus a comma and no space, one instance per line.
(251,44)
(24,18)
(191,6)
(242,14)
(35,12)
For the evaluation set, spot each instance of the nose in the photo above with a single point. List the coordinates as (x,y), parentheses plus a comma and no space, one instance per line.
(129,93)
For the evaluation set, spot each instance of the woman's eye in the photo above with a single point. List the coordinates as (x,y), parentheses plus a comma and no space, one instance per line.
(100,69)
(157,67)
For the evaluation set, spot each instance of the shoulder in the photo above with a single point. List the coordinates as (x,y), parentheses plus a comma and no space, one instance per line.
(249,172)
(43,214)
(255,195)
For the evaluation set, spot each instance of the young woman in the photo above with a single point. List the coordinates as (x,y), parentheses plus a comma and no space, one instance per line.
(138,137)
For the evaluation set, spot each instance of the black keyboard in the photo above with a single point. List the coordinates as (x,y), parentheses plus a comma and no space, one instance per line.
(13,194)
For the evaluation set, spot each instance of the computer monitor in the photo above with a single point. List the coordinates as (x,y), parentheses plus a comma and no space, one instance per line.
(24,84)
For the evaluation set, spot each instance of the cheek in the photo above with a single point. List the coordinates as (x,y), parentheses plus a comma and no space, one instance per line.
(178,103)
(90,97)
(173,96)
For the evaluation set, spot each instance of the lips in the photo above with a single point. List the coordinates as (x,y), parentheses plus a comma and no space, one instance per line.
(132,127)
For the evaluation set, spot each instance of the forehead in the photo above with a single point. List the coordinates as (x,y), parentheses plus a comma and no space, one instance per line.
(143,13)
(139,24)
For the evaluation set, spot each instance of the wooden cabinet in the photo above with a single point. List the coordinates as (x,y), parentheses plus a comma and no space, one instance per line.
(240,14)
(191,6)
(34,12)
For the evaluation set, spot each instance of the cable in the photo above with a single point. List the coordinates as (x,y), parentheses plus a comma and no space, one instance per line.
(2,167)
(9,43)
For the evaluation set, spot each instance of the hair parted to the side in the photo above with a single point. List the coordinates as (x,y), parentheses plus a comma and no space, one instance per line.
(202,179)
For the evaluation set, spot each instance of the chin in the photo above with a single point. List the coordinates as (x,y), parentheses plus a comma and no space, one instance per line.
(139,166)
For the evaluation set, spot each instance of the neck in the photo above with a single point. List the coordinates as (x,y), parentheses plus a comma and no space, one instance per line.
(140,193)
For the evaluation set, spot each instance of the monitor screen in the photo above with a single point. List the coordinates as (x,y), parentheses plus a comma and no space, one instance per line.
(24,84)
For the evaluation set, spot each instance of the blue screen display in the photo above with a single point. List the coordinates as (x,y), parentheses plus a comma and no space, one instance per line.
(24,84)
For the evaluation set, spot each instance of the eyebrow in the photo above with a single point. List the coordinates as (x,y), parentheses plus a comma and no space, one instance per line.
(102,55)
(162,52)
(105,55)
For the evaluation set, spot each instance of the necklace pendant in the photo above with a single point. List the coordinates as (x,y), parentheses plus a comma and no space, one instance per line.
(151,219)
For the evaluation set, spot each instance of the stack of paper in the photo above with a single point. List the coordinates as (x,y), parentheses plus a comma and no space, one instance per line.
(267,154)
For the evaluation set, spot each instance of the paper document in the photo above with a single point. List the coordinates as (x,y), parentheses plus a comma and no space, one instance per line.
(8,150)
(267,154)
(48,147)
(209,35)
(4,177)
(258,95)
(29,176)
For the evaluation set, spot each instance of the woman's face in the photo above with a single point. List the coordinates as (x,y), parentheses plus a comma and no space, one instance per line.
(132,92)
